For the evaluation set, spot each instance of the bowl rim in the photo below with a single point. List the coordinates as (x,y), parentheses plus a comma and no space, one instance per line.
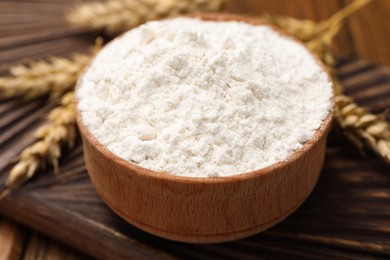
(160,175)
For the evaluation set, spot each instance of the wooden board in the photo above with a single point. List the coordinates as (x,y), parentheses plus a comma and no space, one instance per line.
(347,216)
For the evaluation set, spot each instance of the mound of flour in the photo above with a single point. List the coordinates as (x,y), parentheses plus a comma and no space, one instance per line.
(199,99)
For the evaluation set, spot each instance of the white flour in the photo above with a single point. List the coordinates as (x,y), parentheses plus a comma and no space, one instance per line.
(201,99)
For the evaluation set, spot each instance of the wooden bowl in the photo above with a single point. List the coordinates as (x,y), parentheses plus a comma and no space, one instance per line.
(205,210)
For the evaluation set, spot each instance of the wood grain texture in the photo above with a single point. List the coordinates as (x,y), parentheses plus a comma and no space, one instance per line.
(370,30)
(41,247)
(204,211)
(12,239)
(346,217)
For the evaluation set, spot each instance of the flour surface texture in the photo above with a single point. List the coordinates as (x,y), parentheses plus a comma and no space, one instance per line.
(204,99)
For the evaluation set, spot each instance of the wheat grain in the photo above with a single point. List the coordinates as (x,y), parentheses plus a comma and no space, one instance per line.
(60,130)
(61,127)
(116,16)
(52,77)
(363,128)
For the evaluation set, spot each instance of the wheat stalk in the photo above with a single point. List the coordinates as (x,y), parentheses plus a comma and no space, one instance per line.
(308,30)
(60,130)
(326,30)
(52,77)
(116,16)
(317,36)
(358,124)
(361,127)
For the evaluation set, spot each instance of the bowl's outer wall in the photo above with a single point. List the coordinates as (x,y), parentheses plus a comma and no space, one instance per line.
(204,212)
(209,211)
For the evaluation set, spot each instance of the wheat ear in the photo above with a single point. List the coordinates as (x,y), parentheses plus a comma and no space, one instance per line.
(60,130)
(116,16)
(358,124)
(362,128)
(52,77)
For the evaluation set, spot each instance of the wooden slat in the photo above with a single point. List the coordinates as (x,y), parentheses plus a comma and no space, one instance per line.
(347,215)
(12,239)
(41,247)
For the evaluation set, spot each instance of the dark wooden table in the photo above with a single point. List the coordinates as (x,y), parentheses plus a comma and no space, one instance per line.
(366,36)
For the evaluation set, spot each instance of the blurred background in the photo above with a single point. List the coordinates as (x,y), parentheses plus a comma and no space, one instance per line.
(366,34)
